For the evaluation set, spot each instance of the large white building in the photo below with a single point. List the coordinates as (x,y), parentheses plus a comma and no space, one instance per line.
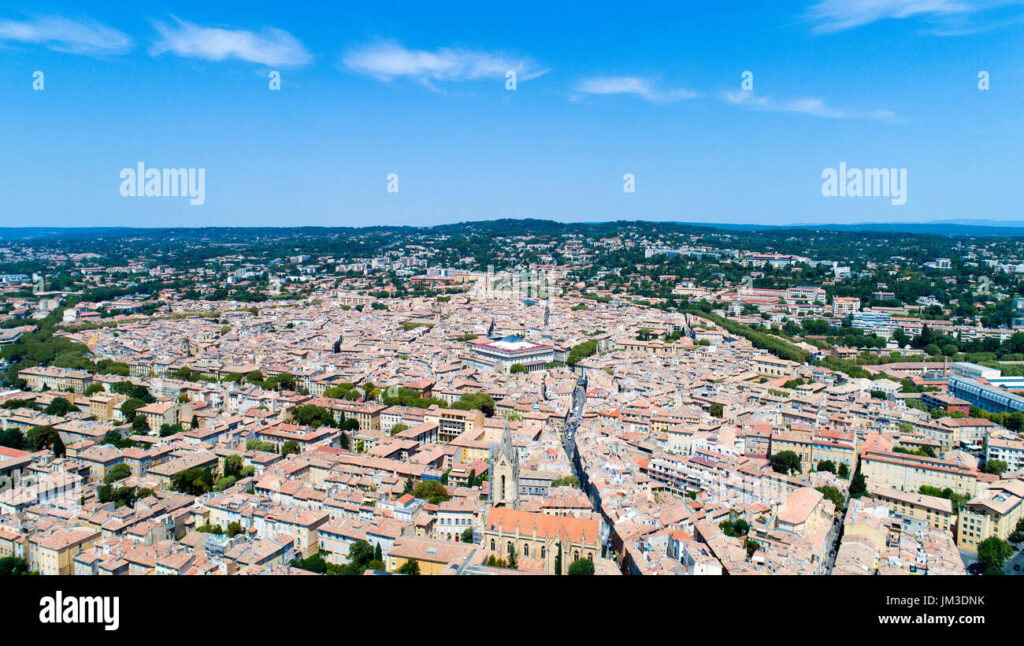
(505,353)
(1009,451)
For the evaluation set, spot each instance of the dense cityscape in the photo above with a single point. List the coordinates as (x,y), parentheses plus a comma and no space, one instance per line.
(511,397)
(310,311)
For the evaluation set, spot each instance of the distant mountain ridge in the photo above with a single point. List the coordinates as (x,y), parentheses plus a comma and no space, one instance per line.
(951,227)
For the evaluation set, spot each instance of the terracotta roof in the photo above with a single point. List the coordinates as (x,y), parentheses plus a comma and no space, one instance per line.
(576,529)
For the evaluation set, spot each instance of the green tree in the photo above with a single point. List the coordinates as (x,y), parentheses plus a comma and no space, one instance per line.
(1018,534)
(859,485)
(120,496)
(566,481)
(290,447)
(582,567)
(785,462)
(233,466)
(133,391)
(223,483)
(117,472)
(45,437)
(751,546)
(432,491)
(494,561)
(195,482)
(996,466)
(343,390)
(167,430)
(993,552)
(833,495)
(260,445)
(410,567)
(360,553)
(315,563)
(476,401)
(13,438)
(129,407)
(140,424)
(13,565)
(14,404)
(734,526)
(60,407)
(312,415)
(581,351)
(716,410)
(397,428)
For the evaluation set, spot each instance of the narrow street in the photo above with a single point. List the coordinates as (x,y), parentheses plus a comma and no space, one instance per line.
(835,535)
(569,446)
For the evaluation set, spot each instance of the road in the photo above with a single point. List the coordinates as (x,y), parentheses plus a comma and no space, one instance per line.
(834,536)
(579,400)
(1015,560)
(970,560)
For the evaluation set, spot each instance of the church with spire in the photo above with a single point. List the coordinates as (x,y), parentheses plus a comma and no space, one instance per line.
(541,542)
(505,473)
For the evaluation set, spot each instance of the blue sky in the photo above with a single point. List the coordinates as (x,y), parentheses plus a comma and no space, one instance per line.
(419,89)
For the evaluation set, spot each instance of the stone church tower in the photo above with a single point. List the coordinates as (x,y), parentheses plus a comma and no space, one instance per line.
(505,473)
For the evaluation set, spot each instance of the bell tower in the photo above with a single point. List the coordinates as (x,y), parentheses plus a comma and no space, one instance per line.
(505,472)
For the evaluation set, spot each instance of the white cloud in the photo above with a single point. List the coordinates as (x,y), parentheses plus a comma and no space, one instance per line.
(634,85)
(273,47)
(811,106)
(388,60)
(838,15)
(65,35)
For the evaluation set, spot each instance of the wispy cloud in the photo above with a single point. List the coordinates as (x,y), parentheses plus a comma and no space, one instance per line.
(271,46)
(389,60)
(810,106)
(634,85)
(65,35)
(838,15)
